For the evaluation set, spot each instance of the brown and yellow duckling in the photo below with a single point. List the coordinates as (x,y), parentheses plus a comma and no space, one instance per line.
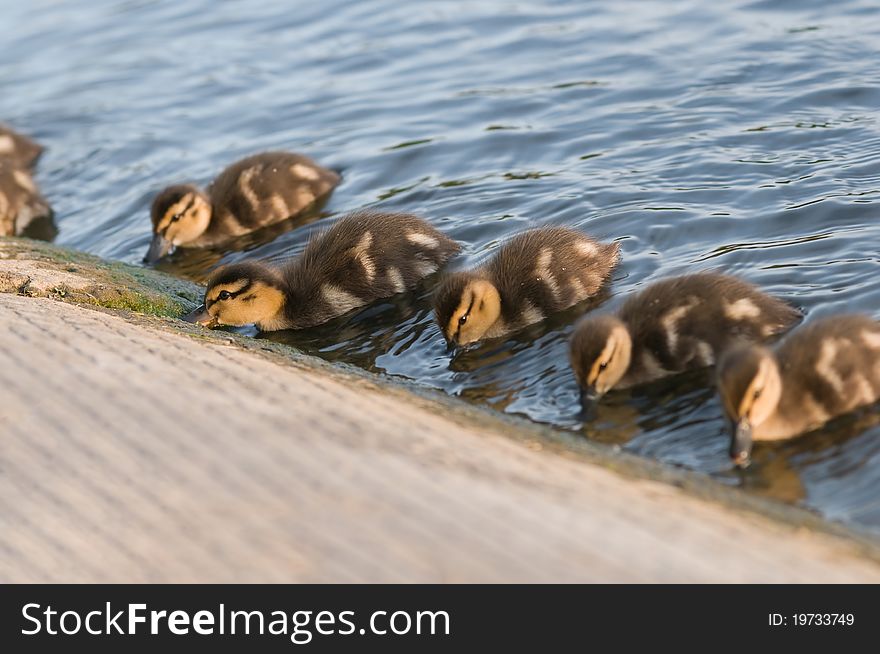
(676,324)
(363,257)
(533,275)
(819,372)
(20,201)
(252,193)
(18,148)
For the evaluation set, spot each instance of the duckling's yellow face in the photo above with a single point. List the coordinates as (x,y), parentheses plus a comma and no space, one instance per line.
(750,388)
(601,350)
(757,399)
(241,302)
(478,310)
(185,220)
(179,217)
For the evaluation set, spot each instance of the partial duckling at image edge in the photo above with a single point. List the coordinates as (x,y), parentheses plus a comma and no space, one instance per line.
(260,190)
(364,256)
(673,325)
(821,371)
(20,201)
(18,148)
(531,276)
(21,204)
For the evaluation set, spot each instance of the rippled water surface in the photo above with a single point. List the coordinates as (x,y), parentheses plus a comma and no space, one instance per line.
(741,136)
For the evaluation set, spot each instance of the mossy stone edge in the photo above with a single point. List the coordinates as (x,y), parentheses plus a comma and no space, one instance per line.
(111,285)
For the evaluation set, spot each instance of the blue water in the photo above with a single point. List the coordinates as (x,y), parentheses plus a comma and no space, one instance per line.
(739,136)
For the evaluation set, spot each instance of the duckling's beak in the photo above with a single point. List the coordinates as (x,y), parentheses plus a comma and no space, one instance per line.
(200,316)
(589,402)
(159,247)
(590,395)
(452,345)
(741,443)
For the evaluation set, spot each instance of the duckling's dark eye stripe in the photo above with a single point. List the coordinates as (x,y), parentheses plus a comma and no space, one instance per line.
(188,206)
(232,294)
(244,288)
(466,313)
(597,365)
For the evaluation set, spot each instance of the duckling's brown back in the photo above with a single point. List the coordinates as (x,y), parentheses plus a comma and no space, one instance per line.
(264,189)
(685,322)
(549,269)
(832,363)
(364,256)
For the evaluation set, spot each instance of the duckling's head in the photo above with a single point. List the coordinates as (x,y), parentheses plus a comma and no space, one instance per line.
(601,349)
(180,215)
(242,294)
(466,306)
(750,387)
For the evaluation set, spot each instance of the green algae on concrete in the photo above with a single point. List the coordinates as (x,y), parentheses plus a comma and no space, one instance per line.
(41,269)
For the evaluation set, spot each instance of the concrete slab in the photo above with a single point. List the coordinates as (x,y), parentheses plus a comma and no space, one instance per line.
(131,453)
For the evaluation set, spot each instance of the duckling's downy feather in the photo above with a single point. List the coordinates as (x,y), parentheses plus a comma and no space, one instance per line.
(257,191)
(20,199)
(263,189)
(828,368)
(686,322)
(536,273)
(549,269)
(18,148)
(363,257)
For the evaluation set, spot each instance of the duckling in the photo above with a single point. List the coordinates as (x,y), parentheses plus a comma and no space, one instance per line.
(20,199)
(534,274)
(18,148)
(673,325)
(364,256)
(820,371)
(257,191)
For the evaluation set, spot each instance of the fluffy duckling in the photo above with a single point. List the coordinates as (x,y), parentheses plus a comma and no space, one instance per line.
(364,256)
(18,148)
(257,191)
(673,325)
(821,371)
(534,274)
(20,199)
